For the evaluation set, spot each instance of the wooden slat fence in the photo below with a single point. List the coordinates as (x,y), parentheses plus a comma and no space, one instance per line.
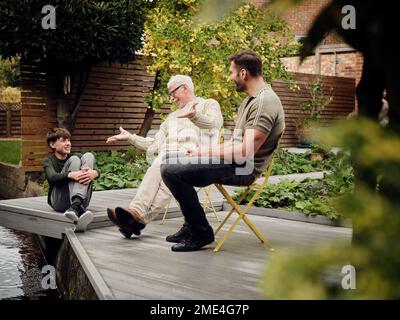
(10,120)
(115,96)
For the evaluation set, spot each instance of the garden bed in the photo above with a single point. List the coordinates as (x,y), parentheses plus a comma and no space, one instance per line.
(311,196)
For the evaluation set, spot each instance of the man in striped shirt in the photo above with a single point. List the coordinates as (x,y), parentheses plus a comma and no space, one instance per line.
(260,123)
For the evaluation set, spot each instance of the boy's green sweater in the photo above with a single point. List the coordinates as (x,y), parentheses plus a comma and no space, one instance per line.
(52,168)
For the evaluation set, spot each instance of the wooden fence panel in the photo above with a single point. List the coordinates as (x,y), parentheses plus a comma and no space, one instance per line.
(10,120)
(115,96)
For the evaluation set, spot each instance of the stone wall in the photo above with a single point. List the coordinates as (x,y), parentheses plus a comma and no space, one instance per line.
(15,183)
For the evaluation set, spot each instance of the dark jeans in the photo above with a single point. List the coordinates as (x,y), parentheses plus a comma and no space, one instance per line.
(182,178)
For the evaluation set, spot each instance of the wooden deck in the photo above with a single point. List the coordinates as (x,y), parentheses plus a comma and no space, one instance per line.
(34,215)
(145,267)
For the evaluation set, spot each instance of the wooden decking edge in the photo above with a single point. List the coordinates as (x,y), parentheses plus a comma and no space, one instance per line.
(99,285)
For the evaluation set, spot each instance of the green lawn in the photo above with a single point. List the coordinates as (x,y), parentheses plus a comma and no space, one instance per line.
(10,151)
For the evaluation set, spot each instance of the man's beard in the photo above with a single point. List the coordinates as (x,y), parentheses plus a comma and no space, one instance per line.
(240,87)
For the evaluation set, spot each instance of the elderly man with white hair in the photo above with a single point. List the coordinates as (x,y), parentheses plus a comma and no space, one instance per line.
(197,122)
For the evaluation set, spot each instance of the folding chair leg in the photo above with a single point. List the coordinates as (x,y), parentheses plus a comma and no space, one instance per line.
(231,202)
(220,243)
(166,211)
(208,197)
(223,222)
(257,233)
(242,215)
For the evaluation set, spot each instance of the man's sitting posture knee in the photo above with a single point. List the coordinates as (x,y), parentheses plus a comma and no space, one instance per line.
(70,179)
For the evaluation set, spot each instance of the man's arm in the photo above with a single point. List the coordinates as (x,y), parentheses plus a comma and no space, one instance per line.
(253,139)
(137,141)
(208,116)
(141,142)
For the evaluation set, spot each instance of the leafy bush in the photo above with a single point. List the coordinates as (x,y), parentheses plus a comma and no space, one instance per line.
(313,108)
(288,163)
(10,95)
(375,214)
(180,45)
(10,72)
(311,197)
(118,173)
(118,170)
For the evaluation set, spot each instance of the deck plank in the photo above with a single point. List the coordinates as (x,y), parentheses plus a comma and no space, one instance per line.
(145,268)
(38,217)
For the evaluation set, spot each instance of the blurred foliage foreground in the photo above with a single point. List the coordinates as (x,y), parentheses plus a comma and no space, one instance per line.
(375,212)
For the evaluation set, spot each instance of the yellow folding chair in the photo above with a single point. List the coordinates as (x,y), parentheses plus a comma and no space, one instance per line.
(242,212)
(206,202)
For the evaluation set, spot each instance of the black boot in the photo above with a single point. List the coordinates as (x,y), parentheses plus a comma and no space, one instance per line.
(183,234)
(196,242)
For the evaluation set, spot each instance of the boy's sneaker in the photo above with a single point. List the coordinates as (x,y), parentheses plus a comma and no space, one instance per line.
(72,214)
(83,221)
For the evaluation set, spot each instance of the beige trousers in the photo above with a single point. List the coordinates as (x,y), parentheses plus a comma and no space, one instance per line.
(152,195)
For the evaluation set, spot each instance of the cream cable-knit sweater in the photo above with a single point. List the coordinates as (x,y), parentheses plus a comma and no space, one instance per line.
(180,134)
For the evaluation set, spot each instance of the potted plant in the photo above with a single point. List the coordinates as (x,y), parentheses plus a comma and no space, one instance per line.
(311,112)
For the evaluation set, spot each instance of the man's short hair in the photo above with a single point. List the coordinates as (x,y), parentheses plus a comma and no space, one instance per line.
(248,60)
(57,133)
(179,80)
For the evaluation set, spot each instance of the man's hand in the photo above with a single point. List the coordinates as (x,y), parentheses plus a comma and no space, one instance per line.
(87,176)
(192,152)
(191,113)
(198,152)
(123,136)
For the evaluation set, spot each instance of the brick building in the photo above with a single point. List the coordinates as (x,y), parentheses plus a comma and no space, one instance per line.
(333,57)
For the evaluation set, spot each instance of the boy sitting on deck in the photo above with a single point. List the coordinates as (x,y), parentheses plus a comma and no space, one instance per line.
(70,179)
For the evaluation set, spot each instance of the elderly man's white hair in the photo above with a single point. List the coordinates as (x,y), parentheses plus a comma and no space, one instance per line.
(179,79)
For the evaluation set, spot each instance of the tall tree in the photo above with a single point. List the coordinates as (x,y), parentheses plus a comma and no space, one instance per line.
(69,38)
(180,42)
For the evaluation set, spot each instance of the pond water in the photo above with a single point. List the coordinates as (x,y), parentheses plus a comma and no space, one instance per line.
(21,262)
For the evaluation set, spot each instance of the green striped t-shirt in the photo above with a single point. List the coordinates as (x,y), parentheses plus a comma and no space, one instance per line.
(262,111)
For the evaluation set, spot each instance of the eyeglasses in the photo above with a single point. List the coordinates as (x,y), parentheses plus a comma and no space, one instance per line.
(174,91)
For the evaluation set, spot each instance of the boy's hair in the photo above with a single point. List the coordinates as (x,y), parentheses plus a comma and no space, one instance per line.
(57,133)
(248,60)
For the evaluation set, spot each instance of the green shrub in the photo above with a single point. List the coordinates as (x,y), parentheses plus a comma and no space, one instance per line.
(288,163)
(10,95)
(118,173)
(309,196)
(118,170)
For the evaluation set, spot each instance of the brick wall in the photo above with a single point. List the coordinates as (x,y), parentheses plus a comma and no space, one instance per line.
(348,64)
(301,16)
(343,64)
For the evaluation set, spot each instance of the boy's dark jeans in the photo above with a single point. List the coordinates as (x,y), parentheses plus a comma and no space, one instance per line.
(182,178)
